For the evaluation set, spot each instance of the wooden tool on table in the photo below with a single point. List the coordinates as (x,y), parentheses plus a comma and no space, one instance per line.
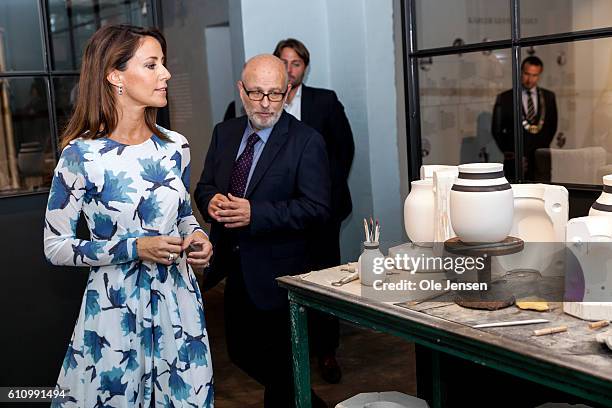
(551,330)
(599,325)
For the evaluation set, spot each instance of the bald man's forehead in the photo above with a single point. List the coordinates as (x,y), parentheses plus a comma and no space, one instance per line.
(258,72)
(263,66)
(264,59)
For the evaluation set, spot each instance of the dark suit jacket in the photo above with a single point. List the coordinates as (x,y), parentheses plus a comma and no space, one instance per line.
(502,128)
(289,193)
(322,111)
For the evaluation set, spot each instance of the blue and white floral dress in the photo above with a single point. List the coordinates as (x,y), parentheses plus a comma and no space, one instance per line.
(140,339)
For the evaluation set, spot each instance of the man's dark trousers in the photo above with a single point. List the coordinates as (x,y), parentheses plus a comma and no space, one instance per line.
(268,358)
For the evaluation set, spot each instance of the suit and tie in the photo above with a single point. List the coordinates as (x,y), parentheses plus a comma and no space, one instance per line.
(502,129)
(288,187)
(322,111)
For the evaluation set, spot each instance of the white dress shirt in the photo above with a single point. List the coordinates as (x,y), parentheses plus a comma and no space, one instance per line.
(295,107)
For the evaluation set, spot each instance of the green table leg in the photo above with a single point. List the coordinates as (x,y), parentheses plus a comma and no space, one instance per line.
(430,383)
(436,379)
(301,360)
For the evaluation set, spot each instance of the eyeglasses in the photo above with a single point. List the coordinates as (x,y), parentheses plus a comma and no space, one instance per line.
(258,95)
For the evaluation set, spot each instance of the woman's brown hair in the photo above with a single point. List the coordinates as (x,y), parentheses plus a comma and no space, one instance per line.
(95,113)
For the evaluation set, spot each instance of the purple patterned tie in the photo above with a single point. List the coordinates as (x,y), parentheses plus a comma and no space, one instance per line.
(242,167)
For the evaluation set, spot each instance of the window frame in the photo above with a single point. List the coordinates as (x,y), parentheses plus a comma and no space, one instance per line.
(411,78)
(49,74)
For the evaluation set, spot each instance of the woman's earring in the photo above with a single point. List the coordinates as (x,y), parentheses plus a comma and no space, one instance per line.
(120,91)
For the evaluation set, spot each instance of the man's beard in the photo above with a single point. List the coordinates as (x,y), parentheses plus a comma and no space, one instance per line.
(263,124)
(295,82)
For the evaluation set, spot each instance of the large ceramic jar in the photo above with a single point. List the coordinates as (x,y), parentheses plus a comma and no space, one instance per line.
(481,203)
(603,204)
(419,213)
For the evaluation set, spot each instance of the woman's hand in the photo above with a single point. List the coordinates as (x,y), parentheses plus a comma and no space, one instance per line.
(160,249)
(199,249)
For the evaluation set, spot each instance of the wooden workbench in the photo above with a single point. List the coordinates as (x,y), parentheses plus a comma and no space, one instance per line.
(572,362)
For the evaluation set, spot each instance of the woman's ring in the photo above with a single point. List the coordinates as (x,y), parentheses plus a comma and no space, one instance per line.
(171,256)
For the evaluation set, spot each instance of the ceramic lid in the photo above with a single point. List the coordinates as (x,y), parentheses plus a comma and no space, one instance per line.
(420,183)
(481,167)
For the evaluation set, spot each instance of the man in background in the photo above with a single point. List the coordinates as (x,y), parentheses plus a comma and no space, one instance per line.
(538,122)
(321,110)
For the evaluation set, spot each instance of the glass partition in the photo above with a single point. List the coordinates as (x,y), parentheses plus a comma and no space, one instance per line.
(443,23)
(581,151)
(545,17)
(65,89)
(26,153)
(21,46)
(466,105)
(72,23)
(457,95)
(29,66)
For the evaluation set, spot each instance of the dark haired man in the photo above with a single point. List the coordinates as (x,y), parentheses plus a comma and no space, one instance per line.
(321,110)
(538,121)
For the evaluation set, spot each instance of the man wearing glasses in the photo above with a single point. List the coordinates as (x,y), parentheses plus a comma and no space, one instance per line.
(321,110)
(265,183)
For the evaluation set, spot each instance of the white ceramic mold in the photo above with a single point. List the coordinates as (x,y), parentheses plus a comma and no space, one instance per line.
(540,218)
(590,241)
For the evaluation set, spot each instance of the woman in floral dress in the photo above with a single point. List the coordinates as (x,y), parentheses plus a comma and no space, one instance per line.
(140,339)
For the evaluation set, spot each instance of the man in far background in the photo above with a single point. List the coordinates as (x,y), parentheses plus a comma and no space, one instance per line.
(321,110)
(538,121)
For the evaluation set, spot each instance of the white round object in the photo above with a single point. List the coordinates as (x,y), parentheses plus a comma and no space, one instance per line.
(481,203)
(383,404)
(603,204)
(419,213)
(388,397)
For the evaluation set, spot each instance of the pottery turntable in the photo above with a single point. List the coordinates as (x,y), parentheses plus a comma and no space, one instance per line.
(496,295)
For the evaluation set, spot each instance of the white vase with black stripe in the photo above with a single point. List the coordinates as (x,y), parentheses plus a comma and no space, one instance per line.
(603,204)
(481,203)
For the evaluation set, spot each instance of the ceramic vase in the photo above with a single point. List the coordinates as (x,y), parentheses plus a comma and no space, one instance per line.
(481,203)
(603,204)
(367,271)
(419,213)
(427,170)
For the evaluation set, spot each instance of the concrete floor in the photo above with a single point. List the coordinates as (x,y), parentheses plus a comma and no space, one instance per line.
(370,361)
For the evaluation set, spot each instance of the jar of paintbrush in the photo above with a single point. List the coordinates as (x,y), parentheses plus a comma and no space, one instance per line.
(371,259)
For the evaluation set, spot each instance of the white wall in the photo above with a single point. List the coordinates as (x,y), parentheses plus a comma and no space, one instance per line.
(382,126)
(352,49)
